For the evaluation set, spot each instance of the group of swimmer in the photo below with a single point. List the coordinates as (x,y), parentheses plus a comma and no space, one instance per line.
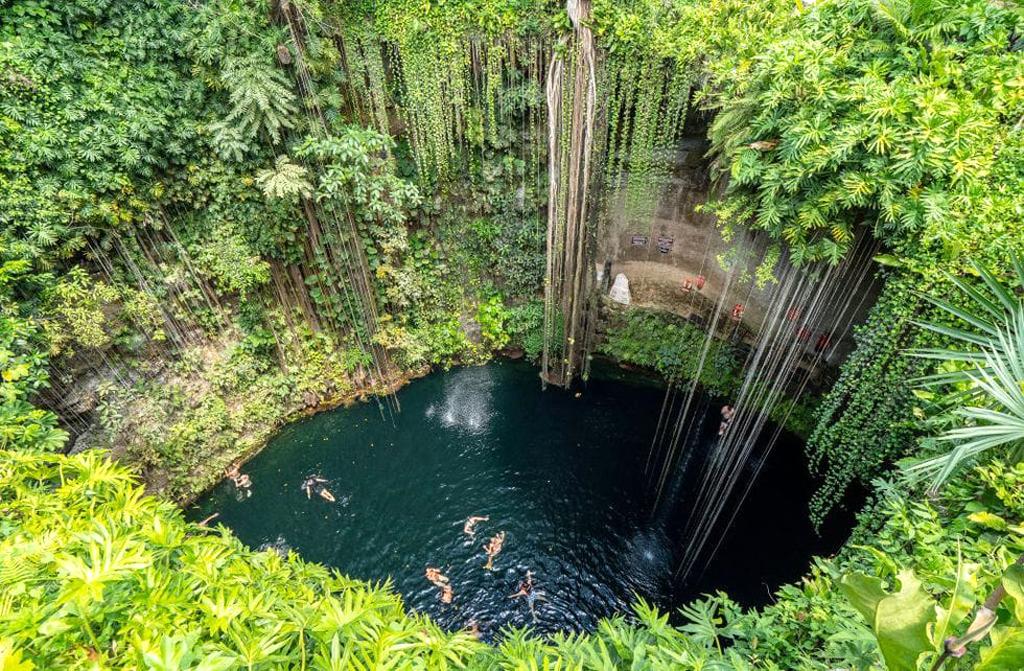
(314,484)
(492,548)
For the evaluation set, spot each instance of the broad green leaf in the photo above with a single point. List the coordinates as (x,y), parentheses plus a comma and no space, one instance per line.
(1006,652)
(901,623)
(958,605)
(1013,581)
(864,592)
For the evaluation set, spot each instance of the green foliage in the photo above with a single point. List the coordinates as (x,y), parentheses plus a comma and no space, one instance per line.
(673,347)
(899,620)
(261,101)
(492,316)
(892,115)
(24,367)
(110,575)
(866,419)
(224,258)
(285,180)
(526,327)
(74,312)
(979,377)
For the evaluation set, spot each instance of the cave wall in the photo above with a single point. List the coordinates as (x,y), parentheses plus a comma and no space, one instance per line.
(658,254)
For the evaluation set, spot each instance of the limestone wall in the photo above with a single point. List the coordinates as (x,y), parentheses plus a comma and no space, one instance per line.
(658,254)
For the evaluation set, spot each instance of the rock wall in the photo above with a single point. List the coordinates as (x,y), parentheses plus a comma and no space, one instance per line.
(660,254)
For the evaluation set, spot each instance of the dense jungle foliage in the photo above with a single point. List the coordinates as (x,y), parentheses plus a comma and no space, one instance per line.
(216,215)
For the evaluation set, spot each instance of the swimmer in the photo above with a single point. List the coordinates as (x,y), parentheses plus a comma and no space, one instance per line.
(310,484)
(727,412)
(532,595)
(473,629)
(315,483)
(492,549)
(243,483)
(525,587)
(446,594)
(469,528)
(434,576)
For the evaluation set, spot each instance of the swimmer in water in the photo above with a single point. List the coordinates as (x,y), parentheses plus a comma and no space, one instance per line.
(532,596)
(727,412)
(312,484)
(244,484)
(315,483)
(469,528)
(438,579)
(525,587)
(492,549)
(434,576)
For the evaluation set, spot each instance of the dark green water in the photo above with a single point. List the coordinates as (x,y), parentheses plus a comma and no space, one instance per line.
(561,476)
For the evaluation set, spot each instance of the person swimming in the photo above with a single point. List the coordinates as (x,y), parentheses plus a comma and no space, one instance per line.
(434,576)
(242,482)
(727,413)
(438,579)
(526,589)
(314,484)
(469,528)
(492,549)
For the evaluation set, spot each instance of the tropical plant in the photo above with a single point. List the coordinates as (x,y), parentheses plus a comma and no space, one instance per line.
(285,180)
(979,378)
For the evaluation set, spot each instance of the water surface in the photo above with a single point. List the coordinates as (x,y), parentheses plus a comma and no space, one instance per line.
(560,474)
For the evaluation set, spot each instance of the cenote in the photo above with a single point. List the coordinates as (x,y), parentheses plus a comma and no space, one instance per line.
(561,474)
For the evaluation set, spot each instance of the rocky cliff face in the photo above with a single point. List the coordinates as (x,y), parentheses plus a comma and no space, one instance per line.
(672,256)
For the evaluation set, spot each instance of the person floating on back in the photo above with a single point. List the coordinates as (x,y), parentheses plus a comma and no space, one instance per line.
(492,549)
(469,528)
(315,483)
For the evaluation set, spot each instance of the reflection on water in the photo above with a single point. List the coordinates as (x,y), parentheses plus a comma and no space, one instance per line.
(561,476)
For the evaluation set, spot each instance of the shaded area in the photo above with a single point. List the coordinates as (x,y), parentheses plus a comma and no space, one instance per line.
(561,476)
